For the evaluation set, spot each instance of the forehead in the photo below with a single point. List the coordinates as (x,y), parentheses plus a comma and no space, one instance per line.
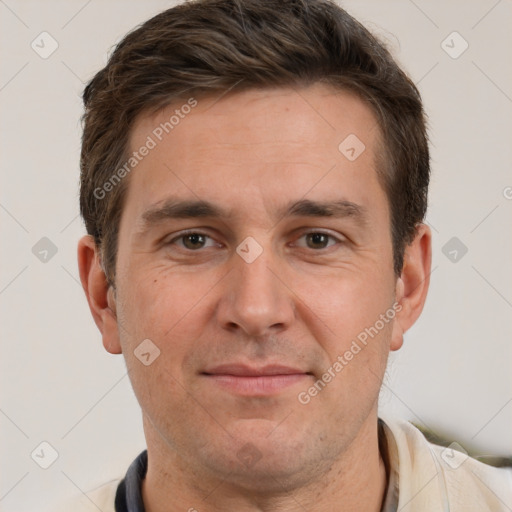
(264,143)
(319,113)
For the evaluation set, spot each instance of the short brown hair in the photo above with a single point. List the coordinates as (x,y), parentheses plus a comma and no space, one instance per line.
(207,46)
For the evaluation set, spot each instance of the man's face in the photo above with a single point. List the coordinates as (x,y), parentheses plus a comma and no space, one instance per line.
(246,327)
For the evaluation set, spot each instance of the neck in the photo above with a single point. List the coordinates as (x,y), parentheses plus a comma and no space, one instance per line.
(356,480)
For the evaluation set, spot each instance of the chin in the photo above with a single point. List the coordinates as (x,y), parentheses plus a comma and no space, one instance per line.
(264,463)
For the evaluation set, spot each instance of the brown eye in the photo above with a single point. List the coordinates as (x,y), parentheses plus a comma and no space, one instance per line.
(194,241)
(317,240)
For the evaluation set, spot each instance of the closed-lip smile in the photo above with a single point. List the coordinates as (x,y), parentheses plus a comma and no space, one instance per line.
(248,380)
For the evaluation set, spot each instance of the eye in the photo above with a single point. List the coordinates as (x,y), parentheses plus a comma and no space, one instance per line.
(318,240)
(193,241)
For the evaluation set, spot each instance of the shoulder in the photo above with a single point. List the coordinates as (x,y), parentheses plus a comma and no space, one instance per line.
(101,498)
(434,477)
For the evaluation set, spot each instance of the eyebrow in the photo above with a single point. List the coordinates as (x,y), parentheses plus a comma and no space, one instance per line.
(193,209)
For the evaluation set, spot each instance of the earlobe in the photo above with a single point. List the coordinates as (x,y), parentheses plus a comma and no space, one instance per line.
(99,294)
(397,335)
(412,285)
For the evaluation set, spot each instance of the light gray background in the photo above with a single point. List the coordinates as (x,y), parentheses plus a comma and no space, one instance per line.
(58,384)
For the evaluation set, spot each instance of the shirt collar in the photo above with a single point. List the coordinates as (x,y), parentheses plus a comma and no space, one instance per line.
(129,490)
(389,453)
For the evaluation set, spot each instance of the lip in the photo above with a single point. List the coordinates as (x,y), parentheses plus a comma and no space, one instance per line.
(243,370)
(255,381)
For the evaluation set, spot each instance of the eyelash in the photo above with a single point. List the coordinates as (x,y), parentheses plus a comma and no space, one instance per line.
(182,235)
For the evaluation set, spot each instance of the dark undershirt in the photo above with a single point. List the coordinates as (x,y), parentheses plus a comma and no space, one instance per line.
(129,490)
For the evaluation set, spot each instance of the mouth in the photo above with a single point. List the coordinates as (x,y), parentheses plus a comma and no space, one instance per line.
(251,381)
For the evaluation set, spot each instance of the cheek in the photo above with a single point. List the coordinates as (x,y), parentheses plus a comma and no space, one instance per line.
(161,317)
(355,338)
(350,384)
(348,303)
(170,309)
(158,300)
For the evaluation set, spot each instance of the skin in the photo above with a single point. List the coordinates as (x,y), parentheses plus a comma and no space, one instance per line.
(299,303)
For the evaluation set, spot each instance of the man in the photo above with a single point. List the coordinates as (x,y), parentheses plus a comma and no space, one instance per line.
(254,181)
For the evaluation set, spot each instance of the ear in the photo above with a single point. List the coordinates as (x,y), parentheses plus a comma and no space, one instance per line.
(412,285)
(100,295)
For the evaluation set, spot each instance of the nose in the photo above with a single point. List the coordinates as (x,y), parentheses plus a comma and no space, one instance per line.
(255,300)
